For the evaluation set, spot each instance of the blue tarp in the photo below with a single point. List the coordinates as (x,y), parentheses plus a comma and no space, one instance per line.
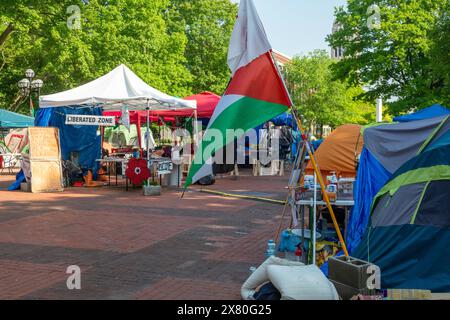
(436,110)
(81,139)
(316,144)
(10,119)
(370,178)
(284,119)
(20,177)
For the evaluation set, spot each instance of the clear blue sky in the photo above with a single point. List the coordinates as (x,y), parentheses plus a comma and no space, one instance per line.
(297,26)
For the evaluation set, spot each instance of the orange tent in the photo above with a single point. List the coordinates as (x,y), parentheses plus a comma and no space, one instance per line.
(338,152)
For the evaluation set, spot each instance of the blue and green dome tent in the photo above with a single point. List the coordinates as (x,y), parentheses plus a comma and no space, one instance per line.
(409,230)
(386,148)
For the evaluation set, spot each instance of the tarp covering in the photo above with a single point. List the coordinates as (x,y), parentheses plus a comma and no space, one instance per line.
(10,119)
(370,179)
(81,139)
(436,110)
(284,119)
(115,89)
(338,151)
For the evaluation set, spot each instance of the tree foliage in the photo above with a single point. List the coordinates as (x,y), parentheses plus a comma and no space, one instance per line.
(395,59)
(319,98)
(208,25)
(178,47)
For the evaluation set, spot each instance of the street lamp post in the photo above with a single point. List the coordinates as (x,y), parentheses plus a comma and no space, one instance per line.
(29,85)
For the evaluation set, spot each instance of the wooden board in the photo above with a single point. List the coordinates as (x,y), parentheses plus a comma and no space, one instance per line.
(44,143)
(45,176)
(45,159)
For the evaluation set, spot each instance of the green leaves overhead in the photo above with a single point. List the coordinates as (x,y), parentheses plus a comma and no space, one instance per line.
(176,46)
(396,61)
(319,98)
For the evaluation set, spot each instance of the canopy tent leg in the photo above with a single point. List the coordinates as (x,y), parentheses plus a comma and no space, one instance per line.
(195,130)
(138,129)
(147,138)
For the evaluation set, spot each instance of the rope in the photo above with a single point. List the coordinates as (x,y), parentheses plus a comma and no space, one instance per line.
(241,196)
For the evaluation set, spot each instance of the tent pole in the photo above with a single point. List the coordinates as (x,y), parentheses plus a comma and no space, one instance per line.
(314,210)
(148,136)
(195,130)
(138,129)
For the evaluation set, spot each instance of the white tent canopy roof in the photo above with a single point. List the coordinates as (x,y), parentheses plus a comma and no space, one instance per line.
(120,87)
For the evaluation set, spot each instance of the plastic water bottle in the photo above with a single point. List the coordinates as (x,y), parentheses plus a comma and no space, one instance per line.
(271,249)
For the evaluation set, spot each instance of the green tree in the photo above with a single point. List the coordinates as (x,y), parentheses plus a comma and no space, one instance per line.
(319,98)
(392,57)
(208,25)
(112,32)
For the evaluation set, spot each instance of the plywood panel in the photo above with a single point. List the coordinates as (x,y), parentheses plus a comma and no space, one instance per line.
(44,143)
(45,159)
(45,176)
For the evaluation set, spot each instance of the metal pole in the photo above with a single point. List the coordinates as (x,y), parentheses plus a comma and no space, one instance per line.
(322,186)
(148,136)
(195,131)
(313,242)
(379,113)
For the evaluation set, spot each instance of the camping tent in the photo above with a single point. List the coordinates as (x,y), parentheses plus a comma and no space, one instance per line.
(12,120)
(436,110)
(409,232)
(386,148)
(338,152)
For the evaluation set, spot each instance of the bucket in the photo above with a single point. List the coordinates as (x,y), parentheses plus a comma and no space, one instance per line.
(290,240)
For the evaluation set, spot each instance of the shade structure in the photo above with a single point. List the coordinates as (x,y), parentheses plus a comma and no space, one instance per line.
(206,104)
(112,91)
(339,151)
(11,120)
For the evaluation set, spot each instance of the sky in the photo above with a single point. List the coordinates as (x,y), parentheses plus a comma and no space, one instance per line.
(297,26)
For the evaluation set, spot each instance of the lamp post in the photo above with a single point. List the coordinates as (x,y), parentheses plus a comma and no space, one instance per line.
(28,85)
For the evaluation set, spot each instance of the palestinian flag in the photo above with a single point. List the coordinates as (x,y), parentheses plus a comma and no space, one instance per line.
(255,94)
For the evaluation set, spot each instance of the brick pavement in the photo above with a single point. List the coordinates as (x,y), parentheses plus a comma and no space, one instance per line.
(135,247)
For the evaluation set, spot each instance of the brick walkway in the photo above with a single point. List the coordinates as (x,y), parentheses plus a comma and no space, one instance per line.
(134,247)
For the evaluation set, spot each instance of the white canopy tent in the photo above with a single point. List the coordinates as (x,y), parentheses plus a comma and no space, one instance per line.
(112,91)
(119,88)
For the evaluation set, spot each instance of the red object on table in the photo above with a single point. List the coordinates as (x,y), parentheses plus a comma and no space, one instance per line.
(137,171)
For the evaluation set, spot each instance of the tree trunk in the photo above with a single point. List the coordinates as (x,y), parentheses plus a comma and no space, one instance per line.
(6,33)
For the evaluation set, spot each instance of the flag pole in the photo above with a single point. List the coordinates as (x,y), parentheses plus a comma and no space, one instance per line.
(313,161)
(322,184)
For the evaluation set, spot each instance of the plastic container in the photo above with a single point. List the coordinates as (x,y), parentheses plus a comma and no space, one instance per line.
(271,249)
